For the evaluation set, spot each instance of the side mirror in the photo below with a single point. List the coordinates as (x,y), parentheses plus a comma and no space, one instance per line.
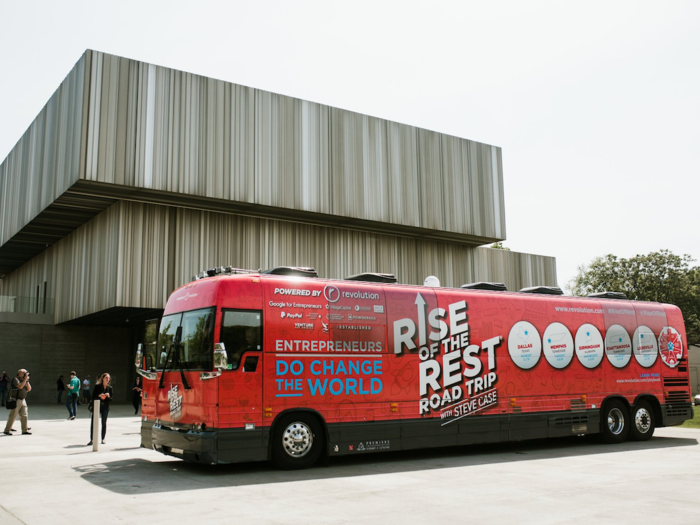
(141,365)
(139,356)
(220,356)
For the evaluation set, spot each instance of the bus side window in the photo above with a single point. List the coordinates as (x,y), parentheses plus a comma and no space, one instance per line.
(251,363)
(241,332)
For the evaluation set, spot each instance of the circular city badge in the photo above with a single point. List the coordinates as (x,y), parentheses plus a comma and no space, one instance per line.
(670,346)
(524,345)
(644,346)
(618,347)
(558,345)
(589,346)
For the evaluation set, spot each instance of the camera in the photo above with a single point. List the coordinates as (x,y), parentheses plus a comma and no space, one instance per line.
(27,375)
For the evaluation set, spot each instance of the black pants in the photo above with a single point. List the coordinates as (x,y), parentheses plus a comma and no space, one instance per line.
(104,412)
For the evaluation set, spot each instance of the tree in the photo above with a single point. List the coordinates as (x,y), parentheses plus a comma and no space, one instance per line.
(659,276)
(499,246)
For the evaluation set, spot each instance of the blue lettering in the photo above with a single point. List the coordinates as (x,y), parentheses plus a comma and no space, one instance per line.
(300,368)
(362,391)
(376,385)
(350,386)
(313,370)
(338,382)
(317,386)
(280,366)
(327,367)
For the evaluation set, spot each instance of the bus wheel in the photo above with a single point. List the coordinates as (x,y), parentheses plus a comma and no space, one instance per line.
(642,422)
(614,422)
(298,441)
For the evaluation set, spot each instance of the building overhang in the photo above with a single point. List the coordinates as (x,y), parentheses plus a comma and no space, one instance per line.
(86,199)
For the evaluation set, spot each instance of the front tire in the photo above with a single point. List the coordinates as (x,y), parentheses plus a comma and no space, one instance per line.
(297,442)
(643,424)
(614,422)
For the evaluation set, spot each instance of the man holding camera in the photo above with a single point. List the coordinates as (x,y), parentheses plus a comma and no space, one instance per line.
(20,389)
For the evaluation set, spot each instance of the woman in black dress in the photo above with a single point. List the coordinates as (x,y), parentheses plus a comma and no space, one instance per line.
(136,389)
(103,392)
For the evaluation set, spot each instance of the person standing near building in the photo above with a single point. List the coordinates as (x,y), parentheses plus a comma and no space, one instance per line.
(86,390)
(103,392)
(60,387)
(20,389)
(73,393)
(136,389)
(4,381)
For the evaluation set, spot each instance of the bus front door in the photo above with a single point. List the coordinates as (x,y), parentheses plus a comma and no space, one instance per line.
(241,385)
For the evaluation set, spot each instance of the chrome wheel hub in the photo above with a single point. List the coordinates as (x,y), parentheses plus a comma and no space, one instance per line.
(642,420)
(616,421)
(297,439)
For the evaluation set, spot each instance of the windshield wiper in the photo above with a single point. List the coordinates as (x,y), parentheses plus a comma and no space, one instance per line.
(176,343)
(176,360)
(182,371)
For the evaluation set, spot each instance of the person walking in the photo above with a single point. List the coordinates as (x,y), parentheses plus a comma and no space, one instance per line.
(73,393)
(136,390)
(4,381)
(86,391)
(103,392)
(60,387)
(20,389)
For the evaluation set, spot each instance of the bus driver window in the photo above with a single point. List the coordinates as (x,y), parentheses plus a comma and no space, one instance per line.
(240,332)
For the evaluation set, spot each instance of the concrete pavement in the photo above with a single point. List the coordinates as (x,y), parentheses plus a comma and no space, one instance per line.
(53,477)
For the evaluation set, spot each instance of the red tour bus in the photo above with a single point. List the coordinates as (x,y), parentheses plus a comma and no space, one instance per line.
(285,366)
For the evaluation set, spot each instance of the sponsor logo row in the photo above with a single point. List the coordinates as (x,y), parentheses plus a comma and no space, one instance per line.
(376,308)
(330,317)
(526,346)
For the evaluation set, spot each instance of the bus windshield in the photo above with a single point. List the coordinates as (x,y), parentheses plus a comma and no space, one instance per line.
(195,349)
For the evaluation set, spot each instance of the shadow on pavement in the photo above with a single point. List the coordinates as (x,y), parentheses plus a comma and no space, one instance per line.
(138,476)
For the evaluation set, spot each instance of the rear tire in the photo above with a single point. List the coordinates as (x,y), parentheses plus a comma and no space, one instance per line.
(297,442)
(642,422)
(614,422)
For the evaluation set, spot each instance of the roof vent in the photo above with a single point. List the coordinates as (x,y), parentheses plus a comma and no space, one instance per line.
(373,277)
(608,295)
(495,287)
(548,290)
(292,271)
(432,281)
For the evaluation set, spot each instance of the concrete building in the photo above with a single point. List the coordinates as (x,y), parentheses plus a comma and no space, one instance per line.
(134,177)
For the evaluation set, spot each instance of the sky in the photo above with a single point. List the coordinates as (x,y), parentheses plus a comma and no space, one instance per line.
(596,104)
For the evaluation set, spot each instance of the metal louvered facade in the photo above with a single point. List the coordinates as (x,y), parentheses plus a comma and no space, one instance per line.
(134,177)
(118,127)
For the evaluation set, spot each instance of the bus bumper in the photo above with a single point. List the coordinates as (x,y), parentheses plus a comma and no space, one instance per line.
(675,414)
(195,447)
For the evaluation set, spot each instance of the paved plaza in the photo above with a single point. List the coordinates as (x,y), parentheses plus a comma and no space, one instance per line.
(53,477)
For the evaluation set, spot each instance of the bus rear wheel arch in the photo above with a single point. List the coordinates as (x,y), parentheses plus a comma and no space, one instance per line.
(298,439)
(615,421)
